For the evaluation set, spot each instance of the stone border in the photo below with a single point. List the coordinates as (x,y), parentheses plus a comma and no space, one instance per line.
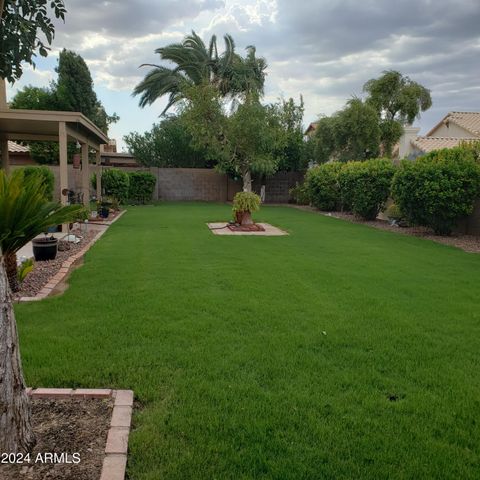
(116,447)
(66,265)
(220,228)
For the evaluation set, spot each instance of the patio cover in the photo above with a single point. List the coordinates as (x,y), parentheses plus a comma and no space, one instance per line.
(54,126)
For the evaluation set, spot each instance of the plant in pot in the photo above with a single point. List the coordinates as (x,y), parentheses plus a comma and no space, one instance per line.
(103,208)
(26,212)
(244,204)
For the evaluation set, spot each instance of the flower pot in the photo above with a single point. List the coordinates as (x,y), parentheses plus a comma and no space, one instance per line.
(45,248)
(244,218)
(104,211)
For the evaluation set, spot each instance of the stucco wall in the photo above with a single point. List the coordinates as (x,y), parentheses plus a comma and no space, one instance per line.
(453,130)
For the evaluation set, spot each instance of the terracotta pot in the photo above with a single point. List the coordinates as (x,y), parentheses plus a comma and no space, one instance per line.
(76,160)
(244,218)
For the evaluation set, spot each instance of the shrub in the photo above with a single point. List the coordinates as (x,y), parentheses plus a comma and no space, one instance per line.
(142,185)
(365,186)
(115,183)
(321,185)
(47,176)
(393,212)
(438,189)
(299,194)
(245,202)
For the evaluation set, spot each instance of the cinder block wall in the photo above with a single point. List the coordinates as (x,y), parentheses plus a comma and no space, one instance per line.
(182,184)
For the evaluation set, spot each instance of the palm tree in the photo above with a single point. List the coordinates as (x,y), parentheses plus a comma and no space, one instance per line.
(196,64)
(25,212)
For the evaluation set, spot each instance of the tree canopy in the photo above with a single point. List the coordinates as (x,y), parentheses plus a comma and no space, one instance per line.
(196,64)
(26,29)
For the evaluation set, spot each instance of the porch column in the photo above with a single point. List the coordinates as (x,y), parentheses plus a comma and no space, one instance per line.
(5,163)
(85,176)
(98,161)
(62,154)
(3,94)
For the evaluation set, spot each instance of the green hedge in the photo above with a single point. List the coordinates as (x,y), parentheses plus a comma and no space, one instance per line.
(142,186)
(115,183)
(438,189)
(48,178)
(365,186)
(321,186)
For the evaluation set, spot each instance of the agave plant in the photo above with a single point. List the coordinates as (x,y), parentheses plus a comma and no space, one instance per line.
(25,212)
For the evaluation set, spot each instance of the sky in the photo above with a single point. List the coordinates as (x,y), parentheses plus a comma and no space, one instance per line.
(322,50)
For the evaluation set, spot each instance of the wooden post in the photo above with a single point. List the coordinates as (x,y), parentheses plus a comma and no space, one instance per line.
(5,163)
(85,176)
(3,94)
(62,154)
(98,160)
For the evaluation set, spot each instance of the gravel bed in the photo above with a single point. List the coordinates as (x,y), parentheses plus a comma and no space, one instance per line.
(468,243)
(43,271)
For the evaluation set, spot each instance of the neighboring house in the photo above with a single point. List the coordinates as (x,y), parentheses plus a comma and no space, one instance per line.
(19,154)
(311,129)
(110,157)
(453,129)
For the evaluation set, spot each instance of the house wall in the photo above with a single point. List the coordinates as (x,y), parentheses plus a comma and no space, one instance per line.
(453,130)
(182,184)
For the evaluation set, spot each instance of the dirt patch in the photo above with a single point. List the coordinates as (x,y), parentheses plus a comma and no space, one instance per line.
(468,243)
(65,426)
(63,284)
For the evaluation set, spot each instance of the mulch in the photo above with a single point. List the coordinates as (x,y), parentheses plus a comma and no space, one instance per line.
(43,271)
(65,426)
(468,243)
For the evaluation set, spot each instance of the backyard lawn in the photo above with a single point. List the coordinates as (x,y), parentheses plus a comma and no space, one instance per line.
(337,352)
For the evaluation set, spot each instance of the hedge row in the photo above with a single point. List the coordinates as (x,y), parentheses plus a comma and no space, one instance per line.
(435,190)
(137,187)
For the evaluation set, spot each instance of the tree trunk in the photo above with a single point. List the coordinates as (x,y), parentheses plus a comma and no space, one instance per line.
(247,181)
(12,271)
(16,434)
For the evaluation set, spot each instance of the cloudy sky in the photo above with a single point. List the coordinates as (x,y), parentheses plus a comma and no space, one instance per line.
(323,49)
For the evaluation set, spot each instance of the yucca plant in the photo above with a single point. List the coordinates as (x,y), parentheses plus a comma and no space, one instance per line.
(25,212)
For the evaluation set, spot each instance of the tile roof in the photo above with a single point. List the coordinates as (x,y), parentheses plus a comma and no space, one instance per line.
(17,148)
(427,144)
(470,121)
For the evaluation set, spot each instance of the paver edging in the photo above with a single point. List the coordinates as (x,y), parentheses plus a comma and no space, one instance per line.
(116,445)
(65,268)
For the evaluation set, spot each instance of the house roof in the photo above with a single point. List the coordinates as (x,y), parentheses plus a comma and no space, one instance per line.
(469,121)
(427,144)
(311,128)
(15,147)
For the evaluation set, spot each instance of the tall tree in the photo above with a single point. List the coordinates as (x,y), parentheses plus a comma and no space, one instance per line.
(197,64)
(74,90)
(350,134)
(242,142)
(398,100)
(167,144)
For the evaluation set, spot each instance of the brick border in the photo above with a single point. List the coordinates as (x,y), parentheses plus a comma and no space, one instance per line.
(116,447)
(66,265)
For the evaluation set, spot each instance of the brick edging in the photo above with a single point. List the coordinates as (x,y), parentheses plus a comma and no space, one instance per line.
(116,447)
(65,268)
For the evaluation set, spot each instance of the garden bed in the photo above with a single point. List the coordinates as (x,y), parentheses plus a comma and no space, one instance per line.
(43,271)
(74,427)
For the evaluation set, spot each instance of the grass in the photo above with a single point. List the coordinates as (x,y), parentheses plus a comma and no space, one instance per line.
(337,352)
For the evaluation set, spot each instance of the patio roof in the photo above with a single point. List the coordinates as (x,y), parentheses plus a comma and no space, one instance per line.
(44,125)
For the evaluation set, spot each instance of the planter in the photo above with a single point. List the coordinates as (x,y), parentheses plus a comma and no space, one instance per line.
(243,218)
(45,248)
(104,211)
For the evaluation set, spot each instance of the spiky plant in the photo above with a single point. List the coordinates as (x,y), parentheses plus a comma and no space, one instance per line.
(25,212)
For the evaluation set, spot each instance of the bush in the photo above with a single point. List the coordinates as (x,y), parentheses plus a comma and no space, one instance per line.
(393,212)
(245,202)
(47,176)
(365,186)
(438,189)
(321,185)
(115,183)
(142,185)
(299,194)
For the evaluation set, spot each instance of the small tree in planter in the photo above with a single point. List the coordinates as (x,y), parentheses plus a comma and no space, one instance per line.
(244,204)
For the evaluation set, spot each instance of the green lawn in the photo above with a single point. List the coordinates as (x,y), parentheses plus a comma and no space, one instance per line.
(338,352)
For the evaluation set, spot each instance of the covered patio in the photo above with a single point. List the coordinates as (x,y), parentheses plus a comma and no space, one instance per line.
(62,127)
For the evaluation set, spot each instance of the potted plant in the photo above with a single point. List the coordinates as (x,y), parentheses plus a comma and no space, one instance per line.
(244,203)
(45,248)
(103,208)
